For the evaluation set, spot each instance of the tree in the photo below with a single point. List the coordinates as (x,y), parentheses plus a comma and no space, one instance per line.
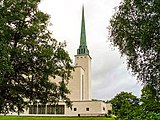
(135,30)
(143,115)
(28,57)
(149,107)
(148,100)
(129,107)
(124,105)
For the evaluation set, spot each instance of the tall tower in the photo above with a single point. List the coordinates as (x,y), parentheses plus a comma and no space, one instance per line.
(83,59)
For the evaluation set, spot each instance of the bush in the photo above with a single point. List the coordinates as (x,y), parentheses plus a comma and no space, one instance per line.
(148,116)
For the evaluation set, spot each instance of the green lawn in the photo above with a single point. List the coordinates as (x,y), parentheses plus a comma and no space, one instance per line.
(51,118)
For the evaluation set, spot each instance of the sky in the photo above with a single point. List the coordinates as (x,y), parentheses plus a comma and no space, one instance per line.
(109,70)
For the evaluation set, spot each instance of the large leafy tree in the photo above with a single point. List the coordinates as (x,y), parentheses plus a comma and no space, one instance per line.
(29,56)
(135,30)
(149,107)
(148,100)
(124,105)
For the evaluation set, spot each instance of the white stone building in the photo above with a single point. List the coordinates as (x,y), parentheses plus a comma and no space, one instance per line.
(80,87)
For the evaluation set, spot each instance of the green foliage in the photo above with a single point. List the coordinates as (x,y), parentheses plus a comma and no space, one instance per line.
(148,100)
(135,30)
(127,107)
(28,57)
(143,115)
(124,104)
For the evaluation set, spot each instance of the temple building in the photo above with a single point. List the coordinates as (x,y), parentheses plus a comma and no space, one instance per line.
(80,87)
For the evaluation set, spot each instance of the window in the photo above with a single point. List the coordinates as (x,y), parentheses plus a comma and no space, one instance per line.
(41,109)
(51,109)
(75,109)
(60,109)
(87,109)
(104,108)
(32,109)
(37,109)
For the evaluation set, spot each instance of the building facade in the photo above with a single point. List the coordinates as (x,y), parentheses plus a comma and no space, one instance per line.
(80,87)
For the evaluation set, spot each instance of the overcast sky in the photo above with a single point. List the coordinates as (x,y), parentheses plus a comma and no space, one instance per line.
(109,71)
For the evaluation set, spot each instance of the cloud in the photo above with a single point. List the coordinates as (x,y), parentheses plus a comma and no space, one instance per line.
(113,78)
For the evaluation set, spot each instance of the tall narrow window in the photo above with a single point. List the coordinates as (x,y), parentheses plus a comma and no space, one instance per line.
(41,109)
(50,109)
(60,109)
(33,109)
(82,87)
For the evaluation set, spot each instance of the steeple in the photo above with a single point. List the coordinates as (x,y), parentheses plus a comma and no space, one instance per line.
(83,45)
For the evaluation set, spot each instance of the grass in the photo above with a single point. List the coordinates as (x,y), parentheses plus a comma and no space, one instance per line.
(52,118)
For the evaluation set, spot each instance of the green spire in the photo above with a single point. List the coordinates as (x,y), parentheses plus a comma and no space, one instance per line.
(83,45)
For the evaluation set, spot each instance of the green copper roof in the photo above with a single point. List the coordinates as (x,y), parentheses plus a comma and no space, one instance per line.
(83,45)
